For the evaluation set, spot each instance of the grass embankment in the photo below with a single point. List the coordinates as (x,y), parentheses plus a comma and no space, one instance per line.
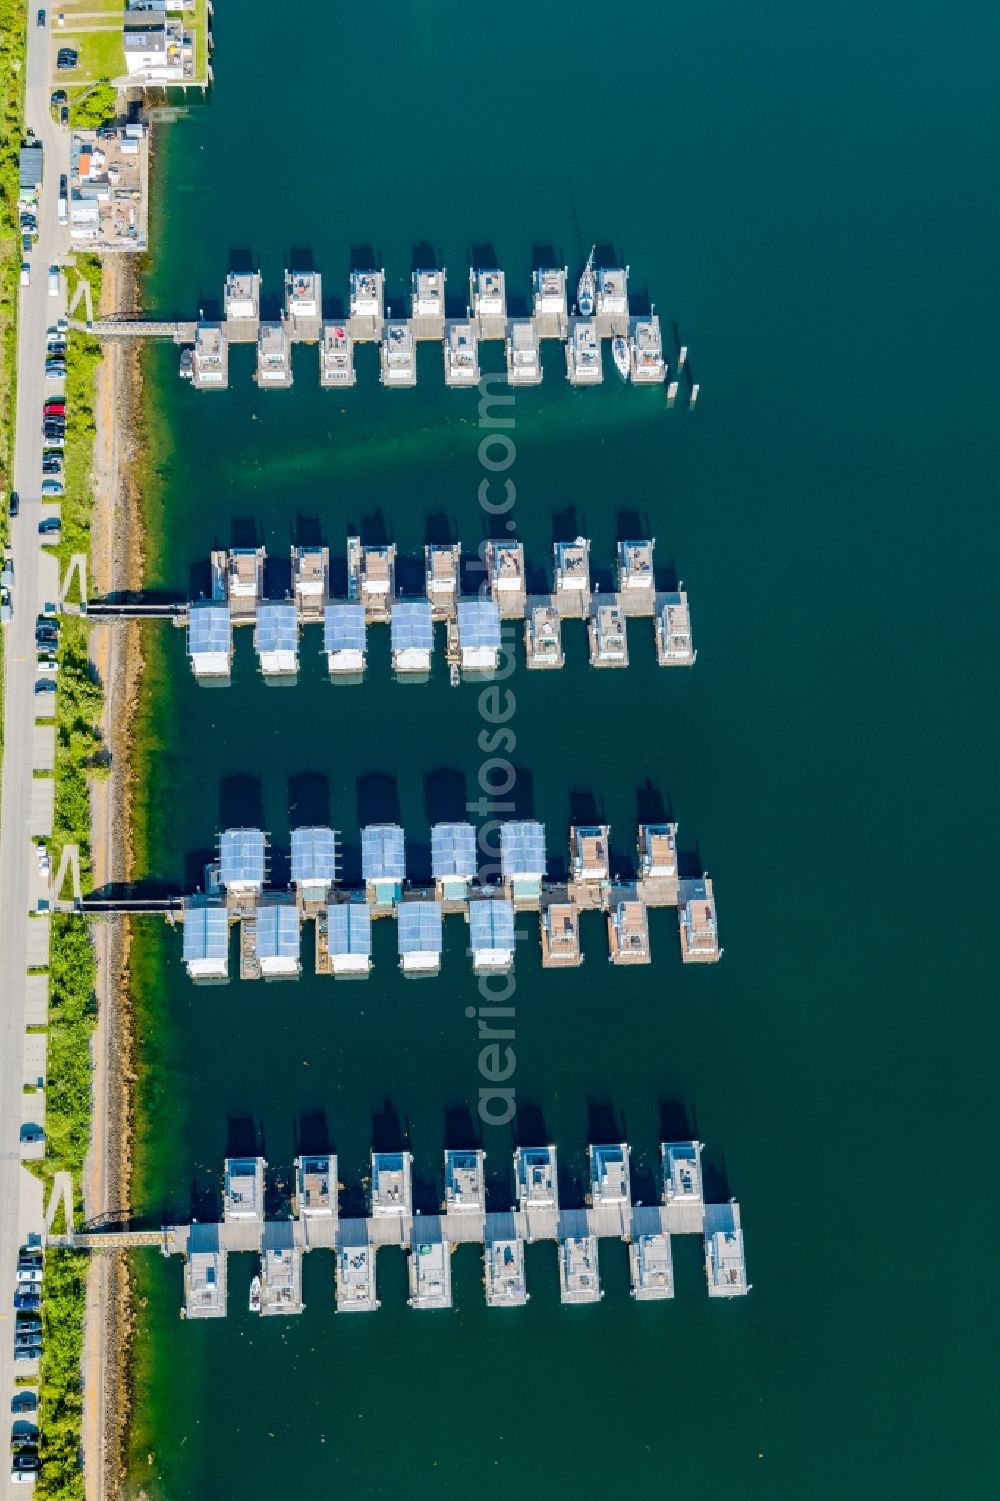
(60,1389)
(13,20)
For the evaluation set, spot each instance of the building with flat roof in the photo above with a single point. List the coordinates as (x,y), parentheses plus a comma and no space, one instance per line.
(206,940)
(278,938)
(157,52)
(392,1194)
(537,1178)
(383,863)
(648,364)
(589,849)
(412,631)
(464,1181)
(429,1272)
(344,639)
(243,1195)
(367,296)
(303,296)
(427,290)
(674,642)
(356,1278)
(560,935)
(699,923)
(609,1175)
(420,936)
(349,939)
(491,934)
(315,862)
(628,933)
(442,564)
(205,1281)
(210,640)
(280,1270)
(658,849)
(461,354)
(635,568)
(274,355)
(504,1273)
(524,365)
(276,638)
(572,569)
(372,576)
(682,1181)
(336,356)
(543,637)
(310,580)
(399,358)
(612,290)
(579,1278)
(549,290)
(316,1186)
(725,1254)
(210,358)
(651,1264)
(479,634)
(505,571)
(454,859)
(608,637)
(489,294)
(242,860)
(241,296)
(584,366)
(522,860)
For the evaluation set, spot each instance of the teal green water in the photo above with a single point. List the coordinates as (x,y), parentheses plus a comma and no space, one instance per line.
(810,194)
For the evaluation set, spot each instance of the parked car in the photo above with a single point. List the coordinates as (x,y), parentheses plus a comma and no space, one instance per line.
(25,274)
(64,115)
(27,1301)
(52,464)
(23,1469)
(41,18)
(30,1272)
(55,406)
(26,244)
(58,97)
(24,1401)
(53,487)
(66,60)
(53,281)
(28,1339)
(44,685)
(25,1352)
(23,1435)
(55,370)
(14,504)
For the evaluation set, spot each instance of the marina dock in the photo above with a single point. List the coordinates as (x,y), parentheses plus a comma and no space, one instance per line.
(304,320)
(270,921)
(315,1223)
(474,622)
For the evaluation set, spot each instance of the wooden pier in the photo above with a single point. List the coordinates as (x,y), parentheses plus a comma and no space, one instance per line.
(315,1223)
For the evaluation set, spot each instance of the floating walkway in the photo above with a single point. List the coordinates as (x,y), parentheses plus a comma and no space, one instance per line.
(270,921)
(316,1224)
(637,342)
(473,622)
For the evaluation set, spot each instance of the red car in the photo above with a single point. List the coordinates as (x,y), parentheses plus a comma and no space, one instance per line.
(55,408)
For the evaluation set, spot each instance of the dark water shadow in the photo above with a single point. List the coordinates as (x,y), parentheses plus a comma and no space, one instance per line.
(410,582)
(677,1123)
(278,576)
(377,799)
(364,257)
(307,531)
(440,530)
(566,524)
(652,805)
(241,802)
(605,1122)
(483,256)
(245,531)
(528,1128)
(462,1129)
(309,800)
(445,796)
(311,1134)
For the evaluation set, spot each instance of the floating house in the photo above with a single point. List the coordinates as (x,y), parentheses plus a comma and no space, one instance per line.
(491,934)
(725,1256)
(543,637)
(648,364)
(427,294)
(412,636)
(210,640)
(589,851)
(367,295)
(698,922)
(524,364)
(316,1187)
(349,939)
(399,361)
(315,862)
(383,864)
(442,563)
(610,1186)
(635,570)
(522,861)
(278,939)
(276,639)
(505,572)
(392,1193)
(572,574)
(628,933)
(281,1270)
(243,1192)
(584,366)
(674,643)
(461,355)
(478,635)
(489,294)
(344,640)
(549,291)
(206,941)
(420,935)
(356,1278)
(371,577)
(560,936)
(210,358)
(310,580)
(242,861)
(336,356)
(608,638)
(682,1180)
(504,1268)
(579,1279)
(651,1264)
(274,357)
(204,1274)
(612,291)
(658,850)
(454,860)
(464,1182)
(537,1178)
(241,297)
(429,1271)
(304,302)
(244,574)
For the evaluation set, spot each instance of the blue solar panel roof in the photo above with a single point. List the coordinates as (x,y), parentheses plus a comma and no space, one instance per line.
(522,849)
(453,851)
(241,856)
(277,627)
(479,623)
(314,854)
(383,852)
(419,927)
(277,931)
(491,923)
(209,629)
(349,928)
(344,628)
(206,933)
(412,626)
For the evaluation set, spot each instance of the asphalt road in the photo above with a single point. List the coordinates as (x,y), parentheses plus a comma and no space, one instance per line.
(19,1198)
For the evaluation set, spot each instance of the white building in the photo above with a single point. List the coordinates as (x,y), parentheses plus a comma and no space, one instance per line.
(210,639)
(479,634)
(278,939)
(454,859)
(344,639)
(242,858)
(206,940)
(522,860)
(315,862)
(243,1193)
(420,935)
(276,638)
(491,934)
(412,632)
(349,939)
(392,1195)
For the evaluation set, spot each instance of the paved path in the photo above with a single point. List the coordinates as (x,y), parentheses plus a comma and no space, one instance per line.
(20,1195)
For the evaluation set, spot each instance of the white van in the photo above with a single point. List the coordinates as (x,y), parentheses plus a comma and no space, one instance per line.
(53,281)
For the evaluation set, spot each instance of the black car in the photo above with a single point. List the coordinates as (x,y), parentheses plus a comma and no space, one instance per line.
(24,1402)
(41,18)
(59,97)
(64,116)
(14,504)
(52,465)
(28,1301)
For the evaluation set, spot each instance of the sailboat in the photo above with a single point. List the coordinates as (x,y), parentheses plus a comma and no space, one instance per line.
(255,1295)
(585,287)
(620,351)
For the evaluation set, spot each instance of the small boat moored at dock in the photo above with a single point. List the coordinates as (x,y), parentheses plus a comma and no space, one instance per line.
(586,287)
(255,1295)
(622,357)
